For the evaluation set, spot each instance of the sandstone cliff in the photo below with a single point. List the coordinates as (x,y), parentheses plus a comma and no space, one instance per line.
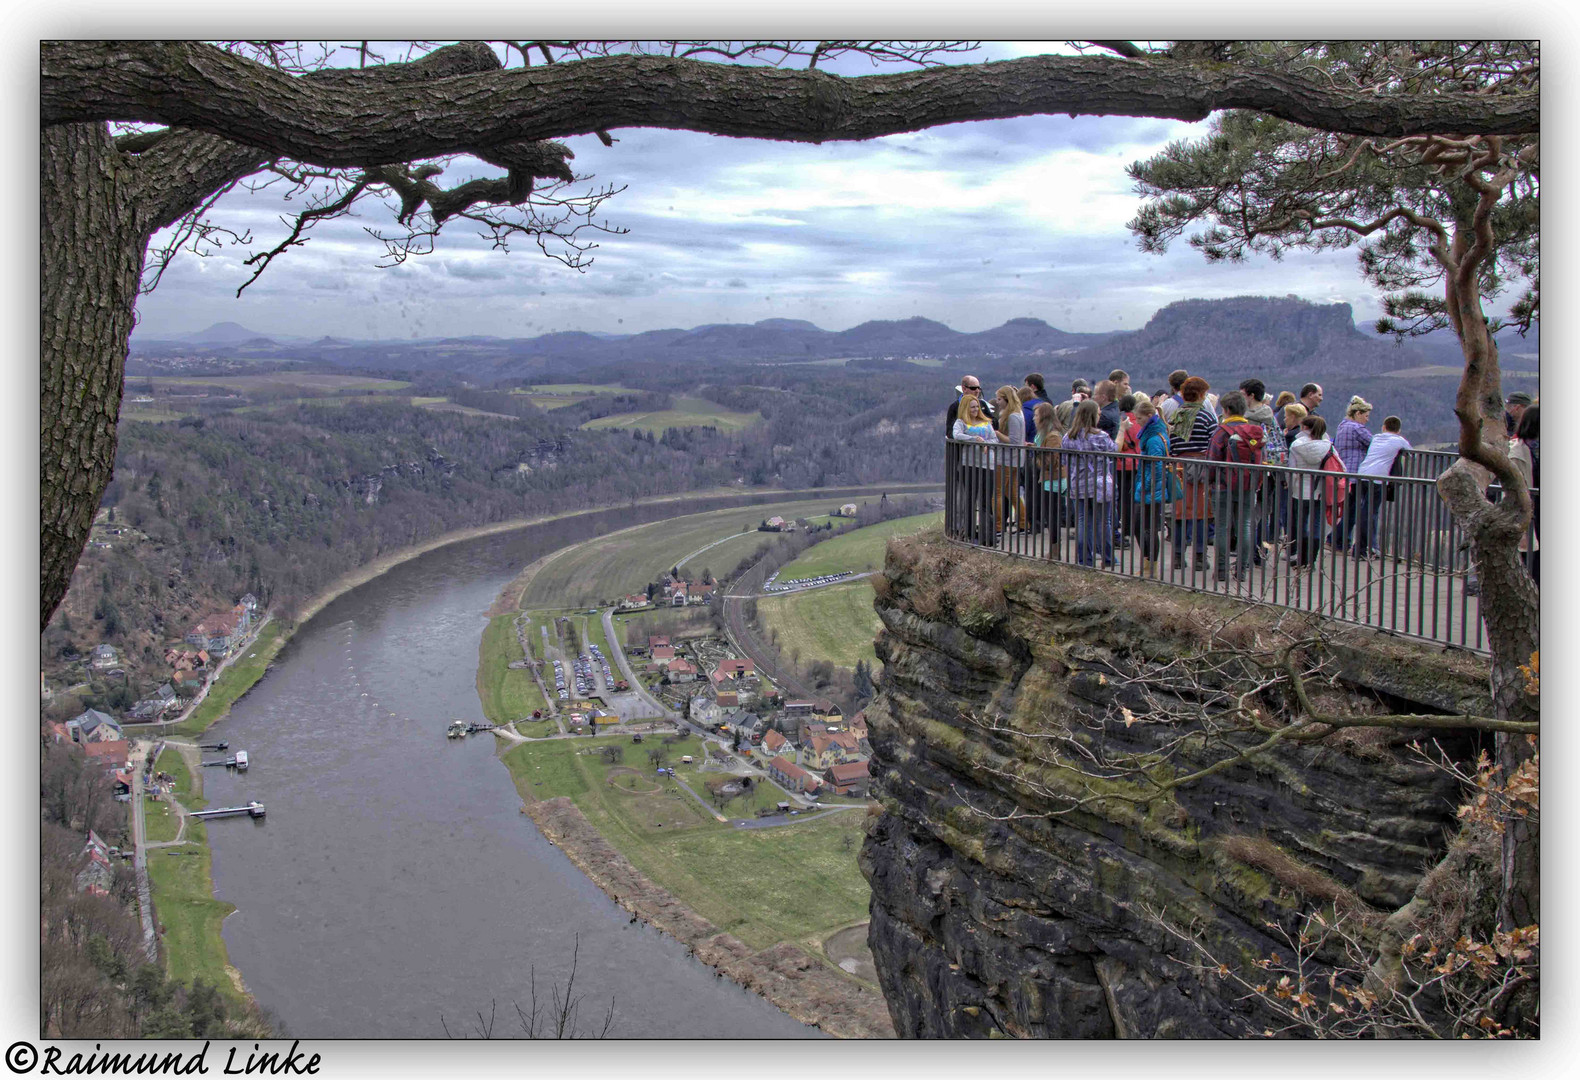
(999,910)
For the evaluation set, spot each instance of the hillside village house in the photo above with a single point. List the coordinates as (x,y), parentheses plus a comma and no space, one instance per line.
(111,756)
(736,669)
(729,701)
(663,654)
(850,778)
(823,751)
(680,670)
(94,726)
(792,777)
(705,712)
(633,602)
(95,876)
(104,657)
(775,744)
(217,633)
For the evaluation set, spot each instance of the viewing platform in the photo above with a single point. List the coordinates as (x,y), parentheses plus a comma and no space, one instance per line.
(1418,584)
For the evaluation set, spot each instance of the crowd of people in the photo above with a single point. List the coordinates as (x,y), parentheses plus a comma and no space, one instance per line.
(1172,464)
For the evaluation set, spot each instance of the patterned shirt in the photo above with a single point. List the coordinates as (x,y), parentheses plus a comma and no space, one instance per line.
(1350,442)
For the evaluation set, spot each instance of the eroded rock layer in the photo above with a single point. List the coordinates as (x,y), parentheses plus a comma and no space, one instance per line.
(998,909)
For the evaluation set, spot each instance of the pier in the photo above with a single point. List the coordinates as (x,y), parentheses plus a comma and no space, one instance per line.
(252,809)
(459,729)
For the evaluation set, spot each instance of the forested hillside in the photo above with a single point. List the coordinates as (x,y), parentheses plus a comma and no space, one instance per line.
(281,501)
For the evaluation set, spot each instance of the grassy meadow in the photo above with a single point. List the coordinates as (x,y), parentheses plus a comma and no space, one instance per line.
(797,883)
(688,412)
(187,914)
(859,550)
(507,693)
(835,623)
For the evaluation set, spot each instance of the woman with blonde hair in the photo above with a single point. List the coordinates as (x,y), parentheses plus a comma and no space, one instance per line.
(976,474)
(1012,432)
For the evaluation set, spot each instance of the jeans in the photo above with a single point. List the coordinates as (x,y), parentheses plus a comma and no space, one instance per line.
(1368,517)
(1346,522)
(979,484)
(1093,526)
(1307,521)
(1125,503)
(1236,511)
(1148,525)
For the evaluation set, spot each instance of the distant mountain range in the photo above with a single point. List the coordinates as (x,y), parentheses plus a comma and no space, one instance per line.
(1244,334)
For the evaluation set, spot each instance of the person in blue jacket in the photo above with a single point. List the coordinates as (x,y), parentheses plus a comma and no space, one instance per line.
(1152,483)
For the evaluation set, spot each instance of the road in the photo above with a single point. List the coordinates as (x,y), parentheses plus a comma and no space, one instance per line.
(145,900)
(618,652)
(715,544)
(746,643)
(780,820)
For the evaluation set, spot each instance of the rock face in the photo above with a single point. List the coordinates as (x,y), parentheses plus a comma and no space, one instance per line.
(998,909)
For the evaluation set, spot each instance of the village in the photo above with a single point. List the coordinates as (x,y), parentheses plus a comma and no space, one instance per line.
(692,680)
(194,664)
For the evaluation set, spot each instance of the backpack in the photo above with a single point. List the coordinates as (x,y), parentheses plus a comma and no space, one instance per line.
(1337,487)
(1243,446)
(1184,420)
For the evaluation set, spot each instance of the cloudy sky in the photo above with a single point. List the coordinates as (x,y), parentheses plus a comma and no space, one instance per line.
(970,224)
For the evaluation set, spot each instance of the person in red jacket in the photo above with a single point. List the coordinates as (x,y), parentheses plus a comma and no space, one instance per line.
(1236,491)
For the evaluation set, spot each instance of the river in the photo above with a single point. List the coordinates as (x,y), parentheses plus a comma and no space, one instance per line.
(395,881)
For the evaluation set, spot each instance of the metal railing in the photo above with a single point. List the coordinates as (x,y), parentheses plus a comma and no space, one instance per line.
(1382,552)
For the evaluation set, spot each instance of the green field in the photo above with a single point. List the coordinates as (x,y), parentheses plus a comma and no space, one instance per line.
(612,566)
(722,558)
(568,388)
(798,883)
(596,635)
(188,915)
(835,623)
(236,680)
(150,416)
(446,405)
(556,401)
(160,821)
(688,412)
(859,550)
(507,693)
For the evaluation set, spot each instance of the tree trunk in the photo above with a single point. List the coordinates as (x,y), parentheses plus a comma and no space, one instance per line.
(91,251)
(1510,602)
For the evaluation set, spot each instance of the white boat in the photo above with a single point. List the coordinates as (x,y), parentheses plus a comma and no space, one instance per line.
(456,730)
(241,761)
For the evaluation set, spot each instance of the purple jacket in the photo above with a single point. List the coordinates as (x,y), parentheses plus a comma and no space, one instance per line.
(1091,477)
